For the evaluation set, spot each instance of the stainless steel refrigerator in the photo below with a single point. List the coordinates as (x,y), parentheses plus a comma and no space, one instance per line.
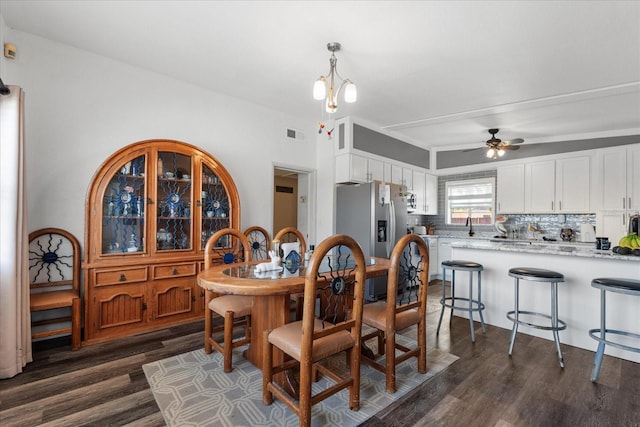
(375,215)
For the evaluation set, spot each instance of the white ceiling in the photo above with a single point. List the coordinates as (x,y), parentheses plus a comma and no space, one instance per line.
(438,73)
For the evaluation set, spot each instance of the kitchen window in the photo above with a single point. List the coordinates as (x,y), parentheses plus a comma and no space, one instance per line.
(470,198)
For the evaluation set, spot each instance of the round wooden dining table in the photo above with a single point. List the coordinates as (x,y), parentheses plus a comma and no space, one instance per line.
(271,291)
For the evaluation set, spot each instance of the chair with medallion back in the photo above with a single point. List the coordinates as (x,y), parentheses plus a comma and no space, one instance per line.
(290,235)
(335,275)
(407,283)
(54,278)
(259,242)
(226,246)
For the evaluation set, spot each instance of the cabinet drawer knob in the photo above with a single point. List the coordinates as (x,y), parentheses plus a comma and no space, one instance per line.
(175,271)
(123,277)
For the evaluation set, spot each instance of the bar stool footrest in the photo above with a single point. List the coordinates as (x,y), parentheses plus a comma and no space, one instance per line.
(511,316)
(593,332)
(449,303)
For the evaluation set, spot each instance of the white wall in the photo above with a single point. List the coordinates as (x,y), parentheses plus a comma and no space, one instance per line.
(81,107)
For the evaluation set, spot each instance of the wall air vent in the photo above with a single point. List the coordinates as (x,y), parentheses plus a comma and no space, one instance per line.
(295,135)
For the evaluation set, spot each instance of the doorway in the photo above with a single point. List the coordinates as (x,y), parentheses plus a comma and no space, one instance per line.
(292,197)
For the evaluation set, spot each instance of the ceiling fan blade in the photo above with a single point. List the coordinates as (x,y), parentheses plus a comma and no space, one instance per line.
(514,141)
(510,147)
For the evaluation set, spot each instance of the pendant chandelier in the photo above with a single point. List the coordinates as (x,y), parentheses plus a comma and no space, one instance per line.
(325,87)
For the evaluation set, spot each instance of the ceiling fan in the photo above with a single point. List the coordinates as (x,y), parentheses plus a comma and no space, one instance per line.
(497,147)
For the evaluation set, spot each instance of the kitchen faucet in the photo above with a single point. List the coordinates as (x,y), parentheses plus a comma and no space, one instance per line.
(470,224)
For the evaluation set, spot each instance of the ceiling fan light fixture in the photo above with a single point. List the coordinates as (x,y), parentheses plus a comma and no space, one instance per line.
(500,152)
(490,153)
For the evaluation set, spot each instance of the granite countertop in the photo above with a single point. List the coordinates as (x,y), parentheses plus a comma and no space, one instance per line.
(576,249)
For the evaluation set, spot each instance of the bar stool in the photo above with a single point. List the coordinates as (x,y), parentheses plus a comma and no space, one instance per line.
(538,275)
(471,303)
(621,286)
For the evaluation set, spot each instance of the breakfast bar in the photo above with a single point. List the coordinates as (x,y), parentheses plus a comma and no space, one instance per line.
(578,302)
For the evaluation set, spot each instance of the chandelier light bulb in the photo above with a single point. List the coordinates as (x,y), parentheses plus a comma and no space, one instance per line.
(501,152)
(350,93)
(319,89)
(490,153)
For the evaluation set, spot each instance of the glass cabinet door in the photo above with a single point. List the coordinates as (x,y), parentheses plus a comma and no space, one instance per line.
(123,224)
(174,190)
(215,205)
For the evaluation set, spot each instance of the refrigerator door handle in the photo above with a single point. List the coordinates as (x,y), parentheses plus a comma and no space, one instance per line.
(392,225)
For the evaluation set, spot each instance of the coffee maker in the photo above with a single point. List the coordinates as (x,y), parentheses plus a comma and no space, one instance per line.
(633,224)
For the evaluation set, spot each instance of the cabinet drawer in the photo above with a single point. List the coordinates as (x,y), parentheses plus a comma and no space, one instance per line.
(173,270)
(120,276)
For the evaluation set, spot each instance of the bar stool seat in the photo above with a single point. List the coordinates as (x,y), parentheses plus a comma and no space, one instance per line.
(617,285)
(471,304)
(538,275)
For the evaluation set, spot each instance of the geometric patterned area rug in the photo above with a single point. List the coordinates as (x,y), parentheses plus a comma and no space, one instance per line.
(191,389)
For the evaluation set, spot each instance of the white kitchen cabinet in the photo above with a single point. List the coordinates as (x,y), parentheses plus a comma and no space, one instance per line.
(431,206)
(407,178)
(444,252)
(539,186)
(396,174)
(620,178)
(573,189)
(425,189)
(561,186)
(510,189)
(359,169)
(375,170)
(351,168)
(612,225)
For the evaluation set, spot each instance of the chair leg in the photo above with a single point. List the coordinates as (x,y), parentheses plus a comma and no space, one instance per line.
(228,340)
(390,362)
(514,330)
(442,301)
(354,390)
(76,324)
(267,369)
(597,362)
(208,328)
(422,343)
(473,332)
(304,402)
(381,343)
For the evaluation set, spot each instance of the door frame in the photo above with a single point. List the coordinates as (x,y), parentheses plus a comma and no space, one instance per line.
(306,199)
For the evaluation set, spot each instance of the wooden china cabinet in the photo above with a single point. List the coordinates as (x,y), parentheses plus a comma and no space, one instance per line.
(150,209)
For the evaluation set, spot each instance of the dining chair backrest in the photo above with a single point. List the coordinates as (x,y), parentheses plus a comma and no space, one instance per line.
(259,241)
(226,246)
(408,278)
(289,235)
(336,276)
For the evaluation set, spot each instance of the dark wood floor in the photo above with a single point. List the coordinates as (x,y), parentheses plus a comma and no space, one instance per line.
(103,384)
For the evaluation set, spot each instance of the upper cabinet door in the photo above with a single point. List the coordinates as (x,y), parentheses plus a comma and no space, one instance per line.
(510,189)
(540,187)
(633,178)
(573,189)
(174,193)
(123,206)
(215,204)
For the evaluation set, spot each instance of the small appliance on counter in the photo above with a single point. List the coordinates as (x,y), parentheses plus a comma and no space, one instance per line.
(587,233)
(633,224)
(419,229)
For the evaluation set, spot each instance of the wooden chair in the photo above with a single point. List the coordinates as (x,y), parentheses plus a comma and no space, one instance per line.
(287,235)
(336,274)
(259,242)
(405,306)
(54,278)
(229,246)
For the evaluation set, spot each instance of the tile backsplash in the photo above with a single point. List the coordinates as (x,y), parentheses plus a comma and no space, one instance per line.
(517,225)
